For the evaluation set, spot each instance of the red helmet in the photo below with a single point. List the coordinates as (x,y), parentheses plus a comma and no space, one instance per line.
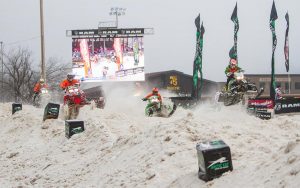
(155,90)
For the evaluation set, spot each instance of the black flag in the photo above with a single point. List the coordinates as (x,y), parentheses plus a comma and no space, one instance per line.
(286,43)
(234,18)
(234,13)
(273,17)
(197,23)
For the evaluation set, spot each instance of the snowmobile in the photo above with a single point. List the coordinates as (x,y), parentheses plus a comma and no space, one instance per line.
(42,98)
(239,89)
(74,99)
(155,108)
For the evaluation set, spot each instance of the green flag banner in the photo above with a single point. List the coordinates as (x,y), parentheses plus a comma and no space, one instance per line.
(196,60)
(273,17)
(197,67)
(202,30)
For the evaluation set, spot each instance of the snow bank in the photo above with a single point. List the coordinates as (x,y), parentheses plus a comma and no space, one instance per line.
(123,148)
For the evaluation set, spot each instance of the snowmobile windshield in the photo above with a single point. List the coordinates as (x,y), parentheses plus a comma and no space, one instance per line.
(153,100)
(239,75)
(44,90)
(73,90)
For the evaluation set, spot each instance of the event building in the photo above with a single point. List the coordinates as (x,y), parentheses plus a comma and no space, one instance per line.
(181,83)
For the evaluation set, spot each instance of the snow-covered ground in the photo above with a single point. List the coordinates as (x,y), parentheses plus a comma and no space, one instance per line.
(122,148)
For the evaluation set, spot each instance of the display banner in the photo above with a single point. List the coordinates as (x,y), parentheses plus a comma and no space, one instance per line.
(108,59)
(287,105)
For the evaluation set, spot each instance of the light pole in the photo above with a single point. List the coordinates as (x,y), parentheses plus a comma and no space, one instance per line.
(43,72)
(2,72)
(118,12)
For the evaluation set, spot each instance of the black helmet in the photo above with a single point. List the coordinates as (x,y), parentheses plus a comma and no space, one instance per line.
(70,76)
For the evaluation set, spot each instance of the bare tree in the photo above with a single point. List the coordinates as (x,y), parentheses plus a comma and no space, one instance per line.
(18,75)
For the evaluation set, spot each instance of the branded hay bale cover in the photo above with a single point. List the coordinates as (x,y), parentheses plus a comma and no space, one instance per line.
(51,111)
(16,107)
(73,127)
(214,158)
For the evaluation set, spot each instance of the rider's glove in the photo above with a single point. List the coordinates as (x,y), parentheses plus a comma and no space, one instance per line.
(144,99)
(229,74)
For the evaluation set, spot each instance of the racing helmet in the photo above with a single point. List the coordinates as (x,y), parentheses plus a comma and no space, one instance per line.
(42,80)
(70,76)
(155,90)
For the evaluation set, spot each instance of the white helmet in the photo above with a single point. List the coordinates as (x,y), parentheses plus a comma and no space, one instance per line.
(42,80)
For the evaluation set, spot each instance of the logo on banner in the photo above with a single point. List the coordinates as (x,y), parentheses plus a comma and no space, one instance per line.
(173,83)
(295,105)
(278,106)
(219,164)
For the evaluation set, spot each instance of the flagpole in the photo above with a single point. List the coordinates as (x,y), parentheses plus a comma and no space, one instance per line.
(43,71)
(273,17)
(289,83)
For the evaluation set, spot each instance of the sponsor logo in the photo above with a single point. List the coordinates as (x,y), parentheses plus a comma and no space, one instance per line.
(264,115)
(295,105)
(280,106)
(77,130)
(266,103)
(221,163)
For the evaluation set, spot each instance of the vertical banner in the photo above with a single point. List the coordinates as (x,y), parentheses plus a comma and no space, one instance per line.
(119,53)
(196,60)
(234,18)
(202,30)
(273,17)
(286,43)
(85,54)
(136,51)
(197,67)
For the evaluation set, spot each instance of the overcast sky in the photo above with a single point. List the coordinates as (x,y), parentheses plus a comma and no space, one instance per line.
(173,44)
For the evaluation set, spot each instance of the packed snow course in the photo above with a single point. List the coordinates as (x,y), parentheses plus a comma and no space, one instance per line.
(120,147)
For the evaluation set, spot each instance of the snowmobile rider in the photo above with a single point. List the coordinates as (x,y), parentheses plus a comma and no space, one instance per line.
(154,93)
(38,86)
(230,70)
(70,81)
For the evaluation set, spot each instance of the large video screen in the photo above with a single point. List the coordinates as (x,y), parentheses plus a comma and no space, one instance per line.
(108,59)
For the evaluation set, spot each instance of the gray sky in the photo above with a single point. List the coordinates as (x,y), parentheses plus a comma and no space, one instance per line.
(173,44)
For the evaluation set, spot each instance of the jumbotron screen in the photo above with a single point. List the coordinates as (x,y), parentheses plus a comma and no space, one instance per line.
(108,59)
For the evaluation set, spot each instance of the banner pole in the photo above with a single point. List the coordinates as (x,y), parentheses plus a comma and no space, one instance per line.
(289,78)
